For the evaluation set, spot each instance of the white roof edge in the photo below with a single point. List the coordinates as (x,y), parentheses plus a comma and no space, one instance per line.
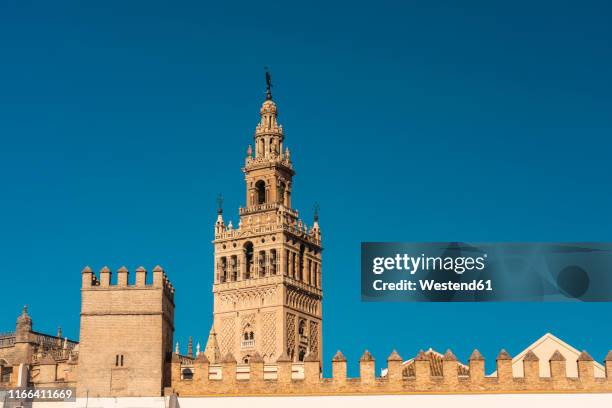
(541,340)
(554,338)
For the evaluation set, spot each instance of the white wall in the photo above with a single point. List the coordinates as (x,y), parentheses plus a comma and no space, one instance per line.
(387,401)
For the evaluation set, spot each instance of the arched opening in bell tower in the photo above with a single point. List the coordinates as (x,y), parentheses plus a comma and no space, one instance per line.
(281,193)
(273,262)
(262,258)
(301,263)
(223,269)
(260,188)
(248,259)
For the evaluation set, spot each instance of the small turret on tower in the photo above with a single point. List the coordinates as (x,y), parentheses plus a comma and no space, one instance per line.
(316,230)
(219,225)
(23,328)
(212,347)
(249,152)
(190,347)
(58,341)
(24,340)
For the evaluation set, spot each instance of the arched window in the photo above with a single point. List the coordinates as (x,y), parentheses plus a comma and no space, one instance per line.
(260,186)
(309,273)
(301,263)
(223,269)
(302,328)
(281,193)
(234,268)
(248,337)
(248,259)
(187,374)
(273,262)
(5,372)
(262,263)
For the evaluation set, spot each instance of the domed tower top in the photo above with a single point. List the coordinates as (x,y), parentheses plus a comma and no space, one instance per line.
(268,108)
(268,133)
(268,126)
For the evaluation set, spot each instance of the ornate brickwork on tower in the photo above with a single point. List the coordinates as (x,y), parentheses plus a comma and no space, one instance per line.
(267,283)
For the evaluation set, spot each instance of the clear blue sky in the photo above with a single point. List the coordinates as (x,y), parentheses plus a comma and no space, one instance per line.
(430,121)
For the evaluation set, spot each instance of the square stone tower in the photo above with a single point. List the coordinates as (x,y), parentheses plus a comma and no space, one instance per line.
(126,334)
(267,283)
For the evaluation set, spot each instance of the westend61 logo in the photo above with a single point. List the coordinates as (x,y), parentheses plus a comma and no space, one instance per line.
(486,272)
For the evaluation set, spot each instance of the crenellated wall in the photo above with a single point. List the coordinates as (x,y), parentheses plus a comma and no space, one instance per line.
(285,377)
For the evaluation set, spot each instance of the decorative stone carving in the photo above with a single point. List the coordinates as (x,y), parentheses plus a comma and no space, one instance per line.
(269,336)
(291,340)
(227,335)
(314,337)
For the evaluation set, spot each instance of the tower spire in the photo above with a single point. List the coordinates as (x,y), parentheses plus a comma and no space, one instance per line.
(219,225)
(212,347)
(268,133)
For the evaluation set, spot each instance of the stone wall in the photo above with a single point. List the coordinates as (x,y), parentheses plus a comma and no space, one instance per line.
(207,382)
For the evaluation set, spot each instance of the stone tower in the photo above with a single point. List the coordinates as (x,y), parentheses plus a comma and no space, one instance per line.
(267,283)
(126,334)
(24,338)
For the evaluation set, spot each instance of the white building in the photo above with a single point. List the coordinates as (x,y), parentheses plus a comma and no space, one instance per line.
(544,348)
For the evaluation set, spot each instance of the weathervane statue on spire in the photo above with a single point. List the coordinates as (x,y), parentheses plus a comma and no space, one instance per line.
(268,84)
(219,203)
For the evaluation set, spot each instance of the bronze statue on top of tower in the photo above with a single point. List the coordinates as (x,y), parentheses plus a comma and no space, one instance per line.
(268,85)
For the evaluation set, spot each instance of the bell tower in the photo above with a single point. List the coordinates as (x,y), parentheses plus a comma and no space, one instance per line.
(267,283)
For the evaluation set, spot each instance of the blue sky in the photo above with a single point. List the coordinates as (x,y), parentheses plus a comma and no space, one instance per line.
(427,121)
